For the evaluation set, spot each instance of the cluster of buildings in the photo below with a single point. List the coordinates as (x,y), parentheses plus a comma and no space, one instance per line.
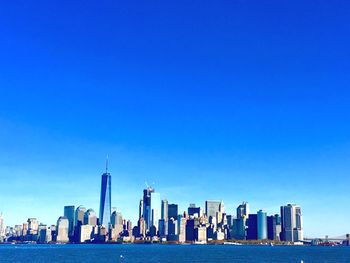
(160,221)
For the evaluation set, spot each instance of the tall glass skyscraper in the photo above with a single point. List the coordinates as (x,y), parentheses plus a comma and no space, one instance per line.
(69,212)
(105,200)
(292,226)
(262,224)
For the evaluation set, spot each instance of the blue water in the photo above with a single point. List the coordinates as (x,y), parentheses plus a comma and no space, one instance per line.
(171,253)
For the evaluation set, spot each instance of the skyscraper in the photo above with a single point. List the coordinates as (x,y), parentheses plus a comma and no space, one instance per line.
(262,224)
(69,212)
(79,215)
(243,210)
(172,211)
(192,210)
(291,223)
(211,208)
(62,229)
(252,230)
(146,202)
(273,227)
(164,213)
(90,217)
(105,200)
(141,209)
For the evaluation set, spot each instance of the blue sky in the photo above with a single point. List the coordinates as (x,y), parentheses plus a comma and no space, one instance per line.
(233,100)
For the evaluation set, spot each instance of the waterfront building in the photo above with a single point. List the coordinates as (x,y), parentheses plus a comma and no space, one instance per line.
(24,229)
(163,228)
(44,234)
(229,221)
(116,218)
(201,234)
(211,208)
(219,235)
(79,215)
(18,230)
(69,212)
(105,199)
(172,230)
(146,211)
(182,229)
(291,223)
(172,211)
(252,227)
(62,230)
(141,208)
(53,232)
(85,233)
(142,227)
(262,225)
(33,225)
(192,210)
(90,217)
(239,229)
(274,227)
(129,227)
(220,214)
(190,230)
(243,210)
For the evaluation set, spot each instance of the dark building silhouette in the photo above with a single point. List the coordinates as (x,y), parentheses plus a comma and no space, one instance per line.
(252,224)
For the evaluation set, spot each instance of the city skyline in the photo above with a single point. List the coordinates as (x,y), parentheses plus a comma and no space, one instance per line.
(161,197)
(159,221)
(234,101)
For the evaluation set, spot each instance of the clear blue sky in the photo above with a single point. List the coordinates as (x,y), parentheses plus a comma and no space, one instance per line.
(234,100)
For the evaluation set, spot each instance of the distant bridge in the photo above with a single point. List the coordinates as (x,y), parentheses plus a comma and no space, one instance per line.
(325,239)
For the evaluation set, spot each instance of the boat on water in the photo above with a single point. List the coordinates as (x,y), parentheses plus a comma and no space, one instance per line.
(232,243)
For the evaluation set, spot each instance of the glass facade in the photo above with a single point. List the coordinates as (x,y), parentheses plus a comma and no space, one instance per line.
(105,200)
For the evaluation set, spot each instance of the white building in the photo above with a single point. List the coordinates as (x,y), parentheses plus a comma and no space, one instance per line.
(62,230)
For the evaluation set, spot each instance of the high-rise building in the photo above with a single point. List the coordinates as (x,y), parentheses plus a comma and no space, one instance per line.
(262,224)
(105,199)
(274,227)
(164,213)
(44,234)
(69,212)
(172,211)
(243,210)
(90,217)
(163,228)
(211,208)
(252,224)
(79,215)
(146,211)
(182,229)
(291,223)
(62,229)
(190,229)
(192,210)
(141,209)
(33,225)
(201,234)
(116,218)
(172,229)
